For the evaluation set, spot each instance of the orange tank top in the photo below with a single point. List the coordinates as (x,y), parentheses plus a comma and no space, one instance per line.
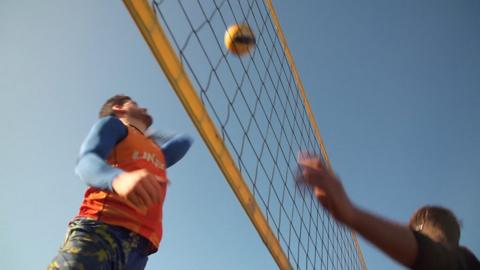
(135,151)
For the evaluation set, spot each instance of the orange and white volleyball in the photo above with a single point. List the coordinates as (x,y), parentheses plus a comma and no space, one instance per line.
(239,39)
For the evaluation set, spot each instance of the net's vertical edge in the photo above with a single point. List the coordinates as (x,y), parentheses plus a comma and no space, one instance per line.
(308,109)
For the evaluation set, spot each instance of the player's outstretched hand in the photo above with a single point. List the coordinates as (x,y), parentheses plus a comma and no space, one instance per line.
(140,187)
(327,187)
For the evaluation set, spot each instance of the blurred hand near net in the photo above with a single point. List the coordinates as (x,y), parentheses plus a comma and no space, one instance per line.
(326,186)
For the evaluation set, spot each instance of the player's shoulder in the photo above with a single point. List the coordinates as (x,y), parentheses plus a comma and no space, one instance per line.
(110,123)
(470,260)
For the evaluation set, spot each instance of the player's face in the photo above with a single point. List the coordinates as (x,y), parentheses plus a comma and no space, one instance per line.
(133,110)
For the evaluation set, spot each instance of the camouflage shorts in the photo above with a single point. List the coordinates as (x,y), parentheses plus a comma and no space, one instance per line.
(91,245)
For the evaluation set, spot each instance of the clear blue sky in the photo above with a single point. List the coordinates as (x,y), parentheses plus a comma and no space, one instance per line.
(394,86)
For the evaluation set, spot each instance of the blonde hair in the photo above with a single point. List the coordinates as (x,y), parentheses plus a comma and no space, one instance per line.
(438,223)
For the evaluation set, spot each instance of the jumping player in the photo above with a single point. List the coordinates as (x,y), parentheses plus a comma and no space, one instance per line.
(120,219)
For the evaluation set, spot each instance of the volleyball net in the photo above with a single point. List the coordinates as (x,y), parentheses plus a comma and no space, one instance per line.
(254,116)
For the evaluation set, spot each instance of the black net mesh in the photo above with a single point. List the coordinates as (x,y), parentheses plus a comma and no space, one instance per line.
(258,109)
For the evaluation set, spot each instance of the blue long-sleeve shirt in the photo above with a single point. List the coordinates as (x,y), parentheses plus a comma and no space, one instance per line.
(101,140)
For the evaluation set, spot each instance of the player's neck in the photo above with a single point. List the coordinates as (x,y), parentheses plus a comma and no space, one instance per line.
(134,123)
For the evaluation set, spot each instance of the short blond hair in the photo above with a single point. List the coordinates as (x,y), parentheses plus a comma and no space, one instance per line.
(437,222)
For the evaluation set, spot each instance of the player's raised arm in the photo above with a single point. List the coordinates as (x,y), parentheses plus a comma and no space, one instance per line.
(396,240)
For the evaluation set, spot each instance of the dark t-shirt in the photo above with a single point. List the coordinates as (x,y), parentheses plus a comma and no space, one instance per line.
(437,256)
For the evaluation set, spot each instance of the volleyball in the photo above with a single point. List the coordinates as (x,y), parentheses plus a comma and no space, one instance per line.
(239,39)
